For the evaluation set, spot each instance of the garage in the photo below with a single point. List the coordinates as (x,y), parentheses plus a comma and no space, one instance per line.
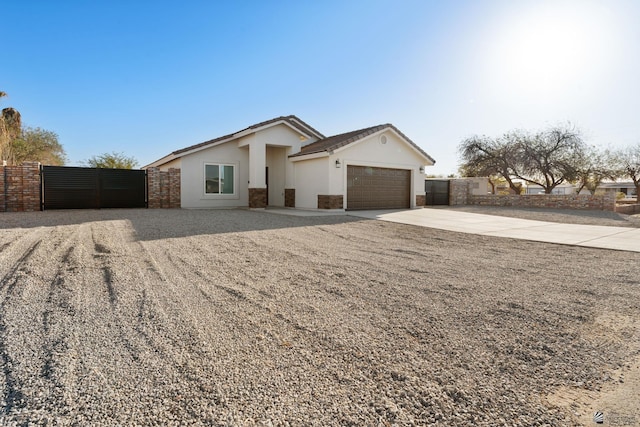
(378,188)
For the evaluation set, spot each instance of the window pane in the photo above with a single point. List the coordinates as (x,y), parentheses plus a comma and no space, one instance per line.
(212,179)
(227,180)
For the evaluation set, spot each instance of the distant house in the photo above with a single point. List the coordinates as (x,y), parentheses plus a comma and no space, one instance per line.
(625,187)
(286,162)
(562,189)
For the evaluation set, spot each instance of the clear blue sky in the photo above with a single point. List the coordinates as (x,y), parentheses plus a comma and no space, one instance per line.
(147,77)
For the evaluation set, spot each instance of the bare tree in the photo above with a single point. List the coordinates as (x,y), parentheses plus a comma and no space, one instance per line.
(628,162)
(595,166)
(483,156)
(548,158)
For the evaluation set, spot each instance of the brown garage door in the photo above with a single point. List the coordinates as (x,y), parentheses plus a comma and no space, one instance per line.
(378,188)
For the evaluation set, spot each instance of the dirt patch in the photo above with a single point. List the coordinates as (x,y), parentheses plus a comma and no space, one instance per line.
(617,397)
(250,318)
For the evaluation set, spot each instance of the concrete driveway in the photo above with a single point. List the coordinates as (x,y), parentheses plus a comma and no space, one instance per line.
(619,238)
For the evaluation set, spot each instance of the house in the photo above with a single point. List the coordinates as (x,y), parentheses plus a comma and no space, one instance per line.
(562,189)
(628,188)
(285,162)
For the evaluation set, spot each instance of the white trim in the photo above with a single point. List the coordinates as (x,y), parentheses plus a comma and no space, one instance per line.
(166,159)
(381,131)
(310,156)
(220,196)
(279,122)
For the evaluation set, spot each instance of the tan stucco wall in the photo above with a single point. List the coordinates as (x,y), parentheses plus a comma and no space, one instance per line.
(311,178)
(276,159)
(192,170)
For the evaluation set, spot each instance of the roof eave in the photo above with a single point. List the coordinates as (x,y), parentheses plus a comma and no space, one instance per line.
(162,161)
(309,156)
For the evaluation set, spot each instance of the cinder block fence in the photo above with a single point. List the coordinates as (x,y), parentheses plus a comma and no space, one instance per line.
(21,188)
(460,193)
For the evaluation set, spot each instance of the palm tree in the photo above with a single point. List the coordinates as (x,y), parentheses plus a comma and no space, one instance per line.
(10,125)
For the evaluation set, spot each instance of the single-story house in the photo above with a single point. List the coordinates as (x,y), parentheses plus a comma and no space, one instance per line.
(628,188)
(285,162)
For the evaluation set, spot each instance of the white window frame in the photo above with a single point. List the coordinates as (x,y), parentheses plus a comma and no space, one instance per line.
(220,195)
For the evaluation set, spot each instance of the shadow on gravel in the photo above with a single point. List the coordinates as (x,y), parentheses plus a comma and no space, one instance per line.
(153,224)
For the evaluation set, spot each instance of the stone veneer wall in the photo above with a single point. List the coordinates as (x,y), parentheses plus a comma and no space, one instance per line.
(163,188)
(421,200)
(257,198)
(20,188)
(459,190)
(628,209)
(606,202)
(460,194)
(330,201)
(290,197)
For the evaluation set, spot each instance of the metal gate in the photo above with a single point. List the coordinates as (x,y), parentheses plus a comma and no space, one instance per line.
(437,192)
(65,187)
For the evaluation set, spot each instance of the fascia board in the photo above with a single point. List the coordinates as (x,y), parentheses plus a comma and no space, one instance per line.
(400,137)
(280,122)
(160,162)
(310,156)
(205,147)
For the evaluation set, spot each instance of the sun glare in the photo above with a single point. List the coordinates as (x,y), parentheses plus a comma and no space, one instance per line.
(550,48)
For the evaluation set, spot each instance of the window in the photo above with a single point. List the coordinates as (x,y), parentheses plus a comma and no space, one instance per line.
(218,179)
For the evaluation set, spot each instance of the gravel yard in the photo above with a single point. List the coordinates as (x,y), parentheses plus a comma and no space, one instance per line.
(235,317)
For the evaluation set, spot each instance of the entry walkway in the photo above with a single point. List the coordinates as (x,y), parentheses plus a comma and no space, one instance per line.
(595,236)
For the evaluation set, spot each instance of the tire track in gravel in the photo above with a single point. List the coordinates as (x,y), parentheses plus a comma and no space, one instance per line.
(147,321)
(59,313)
(29,272)
(13,398)
(250,296)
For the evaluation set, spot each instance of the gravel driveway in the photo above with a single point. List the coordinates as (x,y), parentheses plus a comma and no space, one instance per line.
(180,317)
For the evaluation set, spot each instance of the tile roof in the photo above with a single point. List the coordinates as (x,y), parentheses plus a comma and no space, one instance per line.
(334,142)
(291,120)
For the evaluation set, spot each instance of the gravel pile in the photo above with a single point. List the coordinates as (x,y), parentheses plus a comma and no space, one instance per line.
(176,317)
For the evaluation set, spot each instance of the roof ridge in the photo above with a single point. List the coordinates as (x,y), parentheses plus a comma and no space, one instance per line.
(299,124)
(334,142)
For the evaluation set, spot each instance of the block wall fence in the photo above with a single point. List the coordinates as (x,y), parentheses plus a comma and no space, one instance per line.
(460,194)
(20,188)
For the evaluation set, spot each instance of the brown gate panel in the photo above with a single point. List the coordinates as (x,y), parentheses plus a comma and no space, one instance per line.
(437,192)
(65,187)
(378,188)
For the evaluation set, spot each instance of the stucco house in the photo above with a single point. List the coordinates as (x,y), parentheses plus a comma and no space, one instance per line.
(285,162)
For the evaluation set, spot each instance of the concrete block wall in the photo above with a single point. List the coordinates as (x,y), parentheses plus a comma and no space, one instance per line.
(20,188)
(459,191)
(606,202)
(628,209)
